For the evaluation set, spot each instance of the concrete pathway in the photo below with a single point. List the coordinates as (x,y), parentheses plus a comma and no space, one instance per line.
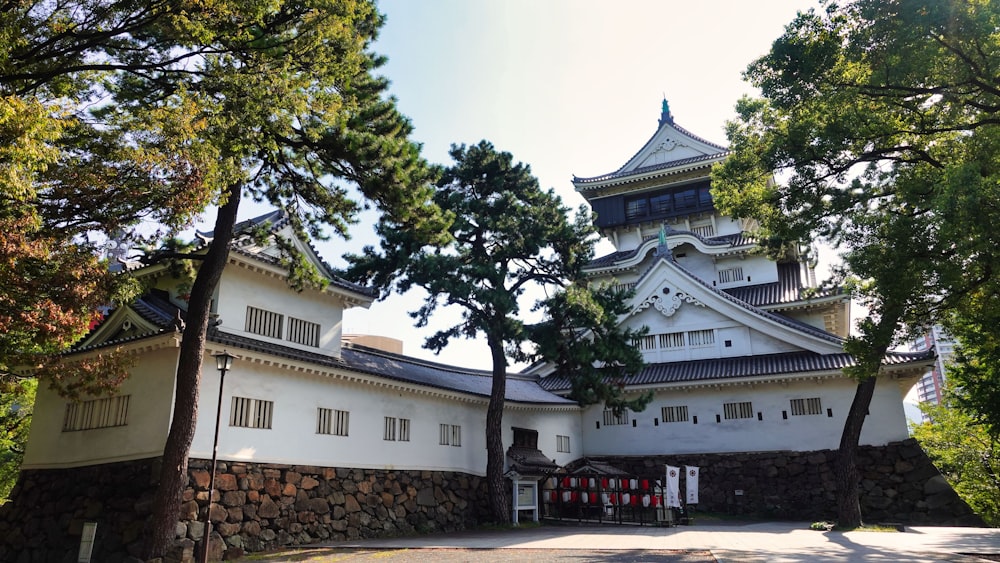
(771,542)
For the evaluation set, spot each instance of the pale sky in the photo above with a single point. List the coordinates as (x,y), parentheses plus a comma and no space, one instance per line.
(570,87)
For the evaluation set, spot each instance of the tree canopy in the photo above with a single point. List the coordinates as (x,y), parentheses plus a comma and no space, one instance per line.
(966,453)
(509,236)
(880,119)
(157,111)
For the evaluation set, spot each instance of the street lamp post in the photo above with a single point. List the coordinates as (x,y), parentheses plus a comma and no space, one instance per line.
(223,362)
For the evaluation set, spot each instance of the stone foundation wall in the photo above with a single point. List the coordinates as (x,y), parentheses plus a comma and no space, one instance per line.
(263,506)
(258,507)
(899,484)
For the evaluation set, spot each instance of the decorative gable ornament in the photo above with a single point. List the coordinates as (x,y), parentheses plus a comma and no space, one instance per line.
(668,303)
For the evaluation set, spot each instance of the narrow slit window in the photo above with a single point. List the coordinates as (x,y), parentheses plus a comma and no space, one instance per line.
(809,406)
(562,444)
(264,323)
(674,414)
(106,412)
(332,421)
(303,332)
(251,413)
(733,411)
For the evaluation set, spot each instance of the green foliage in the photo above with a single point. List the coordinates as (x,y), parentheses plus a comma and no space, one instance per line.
(155,111)
(882,118)
(882,121)
(17,399)
(114,113)
(966,453)
(974,371)
(509,235)
(582,337)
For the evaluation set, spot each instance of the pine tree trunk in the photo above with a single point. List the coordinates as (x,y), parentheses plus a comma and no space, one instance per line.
(173,472)
(497,489)
(846,472)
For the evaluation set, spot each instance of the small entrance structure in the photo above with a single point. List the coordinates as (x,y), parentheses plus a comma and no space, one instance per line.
(527,467)
(599,492)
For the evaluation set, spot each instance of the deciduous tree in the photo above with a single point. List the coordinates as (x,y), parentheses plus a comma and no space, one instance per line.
(881,120)
(162,109)
(508,236)
(966,453)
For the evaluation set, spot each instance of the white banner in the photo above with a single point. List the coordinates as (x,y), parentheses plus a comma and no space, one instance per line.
(673,486)
(692,484)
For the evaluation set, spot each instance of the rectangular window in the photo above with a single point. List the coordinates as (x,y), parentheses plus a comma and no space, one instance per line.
(251,413)
(624,286)
(672,340)
(264,323)
(450,435)
(806,406)
(703,230)
(396,429)
(390,429)
(701,337)
(612,419)
(647,342)
(303,332)
(738,410)
(334,422)
(674,414)
(705,197)
(562,444)
(731,275)
(637,207)
(686,200)
(96,413)
(661,204)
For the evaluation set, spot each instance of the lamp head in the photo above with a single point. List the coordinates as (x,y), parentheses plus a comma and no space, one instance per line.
(224,361)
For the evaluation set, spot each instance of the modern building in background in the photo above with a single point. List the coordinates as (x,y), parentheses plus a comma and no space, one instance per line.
(930,388)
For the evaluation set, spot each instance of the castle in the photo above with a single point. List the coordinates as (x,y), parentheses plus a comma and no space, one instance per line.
(324,437)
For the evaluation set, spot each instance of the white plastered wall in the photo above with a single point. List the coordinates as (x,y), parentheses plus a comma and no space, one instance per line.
(151,392)
(885,423)
(240,288)
(293,439)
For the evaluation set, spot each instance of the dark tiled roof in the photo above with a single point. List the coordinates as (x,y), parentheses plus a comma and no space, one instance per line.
(530,461)
(788,289)
(156,308)
(278,219)
(404,369)
(724,369)
(731,240)
(781,319)
(594,467)
(662,166)
(681,162)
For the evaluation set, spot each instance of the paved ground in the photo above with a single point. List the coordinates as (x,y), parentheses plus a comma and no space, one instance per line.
(759,542)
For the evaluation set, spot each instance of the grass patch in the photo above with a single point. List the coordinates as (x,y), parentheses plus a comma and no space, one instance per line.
(833,527)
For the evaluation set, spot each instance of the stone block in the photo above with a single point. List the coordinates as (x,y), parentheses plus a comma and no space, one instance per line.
(226,482)
(200,478)
(234,498)
(267,508)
